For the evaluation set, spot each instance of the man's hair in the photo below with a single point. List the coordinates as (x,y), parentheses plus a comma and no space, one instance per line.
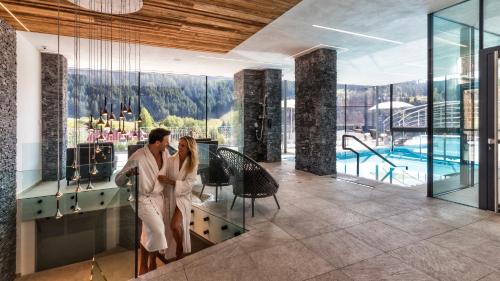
(157,135)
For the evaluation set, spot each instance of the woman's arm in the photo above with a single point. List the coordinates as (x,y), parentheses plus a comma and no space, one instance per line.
(185,187)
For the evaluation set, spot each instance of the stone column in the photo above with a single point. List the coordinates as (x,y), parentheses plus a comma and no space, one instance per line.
(54,92)
(259,91)
(316,112)
(8,140)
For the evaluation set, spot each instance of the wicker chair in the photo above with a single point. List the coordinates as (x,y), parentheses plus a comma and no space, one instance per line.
(216,174)
(249,179)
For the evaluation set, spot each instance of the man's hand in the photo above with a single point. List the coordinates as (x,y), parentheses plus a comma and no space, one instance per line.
(166,180)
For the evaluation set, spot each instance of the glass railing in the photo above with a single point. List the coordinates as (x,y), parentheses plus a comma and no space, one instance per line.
(374,167)
(89,232)
(93,230)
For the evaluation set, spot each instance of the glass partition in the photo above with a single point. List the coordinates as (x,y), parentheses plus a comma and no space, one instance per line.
(491,23)
(92,232)
(455,127)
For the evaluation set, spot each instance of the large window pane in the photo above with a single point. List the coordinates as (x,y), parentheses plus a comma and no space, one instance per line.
(455,100)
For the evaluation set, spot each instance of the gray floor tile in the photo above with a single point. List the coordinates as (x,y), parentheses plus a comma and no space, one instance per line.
(263,239)
(291,261)
(375,210)
(418,226)
(495,276)
(381,236)
(342,217)
(335,275)
(235,268)
(441,263)
(471,245)
(384,267)
(340,248)
(489,228)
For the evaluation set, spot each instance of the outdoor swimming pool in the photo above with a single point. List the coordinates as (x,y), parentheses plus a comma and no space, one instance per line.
(415,157)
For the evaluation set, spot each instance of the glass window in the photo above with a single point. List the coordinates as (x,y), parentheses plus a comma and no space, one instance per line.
(455,103)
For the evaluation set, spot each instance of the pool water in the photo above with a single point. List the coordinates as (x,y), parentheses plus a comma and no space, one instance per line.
(415,158)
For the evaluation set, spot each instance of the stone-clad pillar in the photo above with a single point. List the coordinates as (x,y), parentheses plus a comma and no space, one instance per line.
(8,140)
(315,112)
(259,92)
(54,91)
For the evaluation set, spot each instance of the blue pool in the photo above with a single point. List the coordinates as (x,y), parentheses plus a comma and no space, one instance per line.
(415,157)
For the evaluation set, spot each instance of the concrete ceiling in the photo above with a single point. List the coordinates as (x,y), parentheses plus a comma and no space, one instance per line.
(361,60)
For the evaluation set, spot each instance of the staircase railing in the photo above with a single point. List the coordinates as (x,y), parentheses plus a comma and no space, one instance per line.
(344,146)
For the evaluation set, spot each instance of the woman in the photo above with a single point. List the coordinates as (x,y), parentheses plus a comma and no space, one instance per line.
(180,177)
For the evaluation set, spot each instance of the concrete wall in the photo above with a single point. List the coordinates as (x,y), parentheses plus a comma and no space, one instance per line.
(8,113)
(316,112)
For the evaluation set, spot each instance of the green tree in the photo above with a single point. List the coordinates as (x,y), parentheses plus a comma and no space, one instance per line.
(173,121)
(147,119)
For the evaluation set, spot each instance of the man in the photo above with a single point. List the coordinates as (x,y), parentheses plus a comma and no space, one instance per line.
(152,162)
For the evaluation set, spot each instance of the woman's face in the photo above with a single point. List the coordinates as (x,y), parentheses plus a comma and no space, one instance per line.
(183,148)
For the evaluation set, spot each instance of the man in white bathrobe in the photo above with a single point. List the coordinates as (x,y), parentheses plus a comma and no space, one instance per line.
(152,162)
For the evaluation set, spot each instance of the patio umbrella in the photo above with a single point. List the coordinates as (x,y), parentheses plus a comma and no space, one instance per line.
(395,105)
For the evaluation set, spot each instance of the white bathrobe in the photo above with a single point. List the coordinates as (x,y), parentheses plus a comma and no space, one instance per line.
(179,196)
(151,201)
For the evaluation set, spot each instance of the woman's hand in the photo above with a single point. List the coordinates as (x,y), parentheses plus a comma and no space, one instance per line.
(166,180)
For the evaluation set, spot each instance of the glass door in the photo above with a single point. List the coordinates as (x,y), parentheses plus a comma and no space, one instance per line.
(490,134)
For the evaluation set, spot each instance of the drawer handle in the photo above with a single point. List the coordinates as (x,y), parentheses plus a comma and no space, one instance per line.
(205,232)
(224,227)
(206,218)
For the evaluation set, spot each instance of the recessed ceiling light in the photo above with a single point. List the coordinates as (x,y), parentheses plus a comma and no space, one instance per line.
(357,34)
(10,13)
(341,50)
(239,60)
(450,42)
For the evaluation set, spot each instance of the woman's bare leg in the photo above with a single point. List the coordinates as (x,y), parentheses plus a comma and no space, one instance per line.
(143,268)
(152,261)
(176,226)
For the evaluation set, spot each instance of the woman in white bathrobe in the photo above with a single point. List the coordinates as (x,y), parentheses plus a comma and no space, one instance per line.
(152,161)
(180,177)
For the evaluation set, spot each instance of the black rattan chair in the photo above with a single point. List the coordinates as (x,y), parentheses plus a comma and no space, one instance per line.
(249,179)
(216,174)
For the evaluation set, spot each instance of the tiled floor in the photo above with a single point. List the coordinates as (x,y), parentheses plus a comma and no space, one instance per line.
(330,229)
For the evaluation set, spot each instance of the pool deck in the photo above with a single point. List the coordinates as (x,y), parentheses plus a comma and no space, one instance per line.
(330,229)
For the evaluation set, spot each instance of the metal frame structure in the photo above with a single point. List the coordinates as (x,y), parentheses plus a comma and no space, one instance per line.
(488,114)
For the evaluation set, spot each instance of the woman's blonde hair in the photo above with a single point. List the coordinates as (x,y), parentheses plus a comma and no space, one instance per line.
(193,152)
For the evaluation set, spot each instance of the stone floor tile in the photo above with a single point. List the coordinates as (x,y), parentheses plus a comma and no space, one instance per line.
(237,268)
(418,226)
(264,239)
(291,261)
(342,217)
(384,267)
(381,236)
(375,210)
(441,263)
(495,276)
(489,228)
(334,275)
(471,245)
(340,248)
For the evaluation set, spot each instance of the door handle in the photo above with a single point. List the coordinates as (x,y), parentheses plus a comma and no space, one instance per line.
(492,141)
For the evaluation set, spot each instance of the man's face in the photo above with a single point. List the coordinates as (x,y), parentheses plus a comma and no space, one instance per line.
(163,144)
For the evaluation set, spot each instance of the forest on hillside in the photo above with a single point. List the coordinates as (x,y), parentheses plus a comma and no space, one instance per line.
(162,95)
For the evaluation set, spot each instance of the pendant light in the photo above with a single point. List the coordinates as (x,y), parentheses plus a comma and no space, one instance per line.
(58,212)
(112,115)
(91,126)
